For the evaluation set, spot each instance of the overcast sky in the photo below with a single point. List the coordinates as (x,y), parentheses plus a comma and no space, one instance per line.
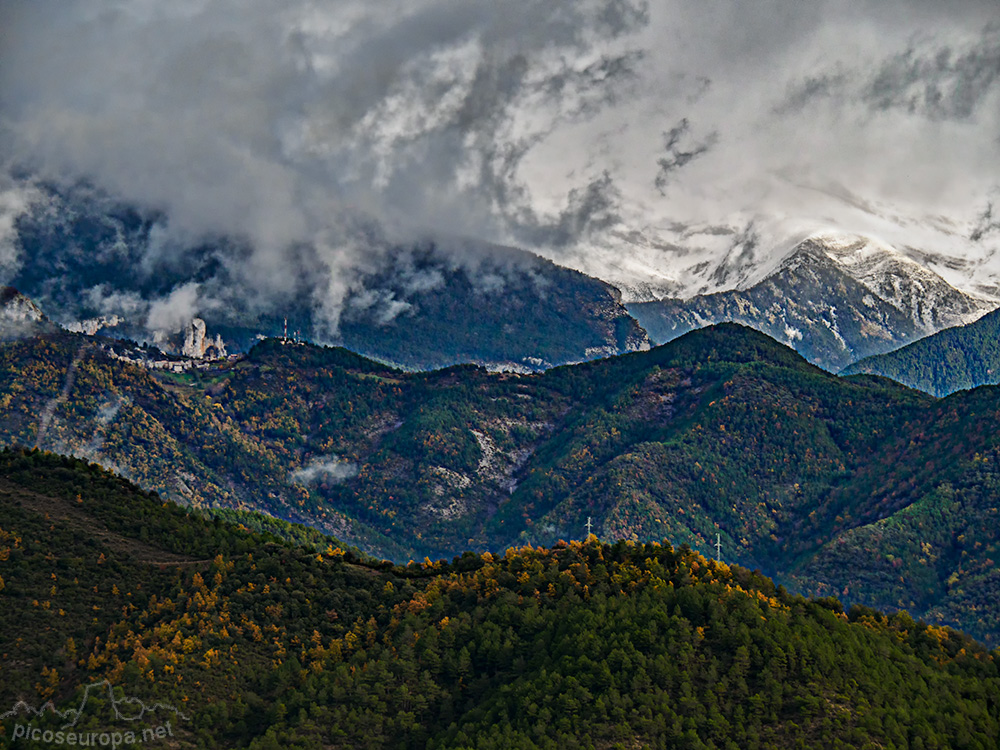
(560,125)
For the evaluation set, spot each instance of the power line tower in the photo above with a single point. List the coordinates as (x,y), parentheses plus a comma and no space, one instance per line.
(718,548)
(588,527)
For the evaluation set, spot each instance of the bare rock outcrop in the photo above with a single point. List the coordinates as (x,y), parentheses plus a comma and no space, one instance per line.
(198,345)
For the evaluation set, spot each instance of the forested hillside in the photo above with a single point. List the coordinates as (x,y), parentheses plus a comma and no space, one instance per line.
(263,644)
(950,360)
(857,487)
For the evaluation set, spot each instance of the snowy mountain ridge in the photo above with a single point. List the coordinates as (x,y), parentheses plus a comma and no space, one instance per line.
(905,284)
(835,298)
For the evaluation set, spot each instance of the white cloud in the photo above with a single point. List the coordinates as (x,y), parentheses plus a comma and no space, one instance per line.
(543,124)
(324,469)
(171,313)
(14,201)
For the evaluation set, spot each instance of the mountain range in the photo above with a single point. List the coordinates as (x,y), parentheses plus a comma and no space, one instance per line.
(587,375)
(858,486)
(835,299)
(97,264)
(94,265)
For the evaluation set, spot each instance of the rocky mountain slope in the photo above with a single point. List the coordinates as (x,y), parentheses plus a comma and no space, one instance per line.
(515,310)
(833,299)
(20,316)
(722,432)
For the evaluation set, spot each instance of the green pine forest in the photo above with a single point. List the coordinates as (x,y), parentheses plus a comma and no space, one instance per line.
(947,361)
(265,642)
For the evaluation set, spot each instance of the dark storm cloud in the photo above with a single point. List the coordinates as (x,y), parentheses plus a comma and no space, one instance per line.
(930,80)
(681,148)
(318,137)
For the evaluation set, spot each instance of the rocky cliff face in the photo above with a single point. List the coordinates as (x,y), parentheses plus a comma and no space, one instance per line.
(198,345)
(91,326)
(19,316)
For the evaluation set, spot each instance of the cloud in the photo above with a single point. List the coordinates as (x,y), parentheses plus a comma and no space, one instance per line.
(325,469)
(292,130)
(929,79)
(588,210)
(988,222)
(171,313)
(382,302)
(940,83)
(108,301)
(15,200)
(242,118)
(679,154)
(287,151)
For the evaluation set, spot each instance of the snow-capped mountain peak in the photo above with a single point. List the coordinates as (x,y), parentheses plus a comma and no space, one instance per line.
(834,297)
(913,289)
